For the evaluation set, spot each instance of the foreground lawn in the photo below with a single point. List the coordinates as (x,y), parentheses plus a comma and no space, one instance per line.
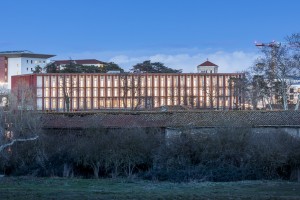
(59,188)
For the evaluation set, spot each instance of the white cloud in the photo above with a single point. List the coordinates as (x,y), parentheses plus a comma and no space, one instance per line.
(227,61)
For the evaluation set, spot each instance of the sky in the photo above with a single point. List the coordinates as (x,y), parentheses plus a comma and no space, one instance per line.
(179,33)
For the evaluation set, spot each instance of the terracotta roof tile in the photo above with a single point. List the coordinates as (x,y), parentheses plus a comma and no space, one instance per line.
(172,119)
(208,63)
(80,62)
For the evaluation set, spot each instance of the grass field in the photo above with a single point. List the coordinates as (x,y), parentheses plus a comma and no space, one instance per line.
(59,188)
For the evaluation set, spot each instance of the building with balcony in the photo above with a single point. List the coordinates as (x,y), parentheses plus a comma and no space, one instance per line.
(131,91)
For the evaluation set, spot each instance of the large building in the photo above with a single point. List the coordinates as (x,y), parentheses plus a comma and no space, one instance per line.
(63,92)
(19,62)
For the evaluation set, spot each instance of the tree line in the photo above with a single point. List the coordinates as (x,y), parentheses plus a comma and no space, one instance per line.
(71,67)
(226,155)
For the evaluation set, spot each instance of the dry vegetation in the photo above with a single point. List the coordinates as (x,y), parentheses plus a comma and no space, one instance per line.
(226,154)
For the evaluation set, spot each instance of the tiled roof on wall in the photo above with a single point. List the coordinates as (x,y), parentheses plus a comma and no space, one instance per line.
(172,119)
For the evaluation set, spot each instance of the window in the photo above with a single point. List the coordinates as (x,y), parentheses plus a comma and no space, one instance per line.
(291,90)
(27,61)
(291,97)
(31,61)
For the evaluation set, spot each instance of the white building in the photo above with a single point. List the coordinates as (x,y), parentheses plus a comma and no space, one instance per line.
(19,62)
(207,67)
(85,62)
(294,92)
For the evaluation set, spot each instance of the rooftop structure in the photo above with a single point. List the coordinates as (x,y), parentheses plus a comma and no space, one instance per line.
(24,53)
(207,67)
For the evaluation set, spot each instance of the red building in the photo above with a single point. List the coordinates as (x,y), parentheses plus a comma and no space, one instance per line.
(62,92)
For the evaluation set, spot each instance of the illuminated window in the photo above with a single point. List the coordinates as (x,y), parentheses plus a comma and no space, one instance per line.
(53,105)
(101,92)
(95,83)
(74,104)
(53,81)
(81,81)
(74,81)
(46,92)
(74,93)
(116,92)
(53,92)
(95,92)
(88,81)
(46,81)
(95,103)
(108,92)
(162,81)
(116,81)
(155,92)
(88,92)
(108,80)
(61,103)
(102,81)
(46,103)
(81,103)
(88,103)
(149,81)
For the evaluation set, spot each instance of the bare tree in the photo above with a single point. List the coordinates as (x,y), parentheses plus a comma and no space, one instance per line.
(124,88)
(18,121)
(278,65)
(66,89)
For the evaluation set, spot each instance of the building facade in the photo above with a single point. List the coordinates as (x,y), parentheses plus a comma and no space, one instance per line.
(19,62)
(85,62)
(207,67)
(74,92)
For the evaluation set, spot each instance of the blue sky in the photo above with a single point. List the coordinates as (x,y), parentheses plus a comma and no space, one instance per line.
(181,34)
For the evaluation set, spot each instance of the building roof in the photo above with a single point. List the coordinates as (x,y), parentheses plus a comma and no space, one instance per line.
(24,53)
(208,63)
(184,118)
(79,62)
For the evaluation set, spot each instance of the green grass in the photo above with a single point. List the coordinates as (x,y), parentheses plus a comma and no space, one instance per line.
(59,188)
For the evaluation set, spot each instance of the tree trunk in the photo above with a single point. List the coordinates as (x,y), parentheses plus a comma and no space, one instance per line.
(68,170)
(298,101)
(96,167)
(285,105)
(269,102)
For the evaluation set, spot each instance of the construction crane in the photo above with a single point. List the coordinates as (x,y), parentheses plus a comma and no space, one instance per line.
(272,44)
(275,44)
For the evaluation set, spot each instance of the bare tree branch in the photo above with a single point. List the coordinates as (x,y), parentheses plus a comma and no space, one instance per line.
(2,147)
